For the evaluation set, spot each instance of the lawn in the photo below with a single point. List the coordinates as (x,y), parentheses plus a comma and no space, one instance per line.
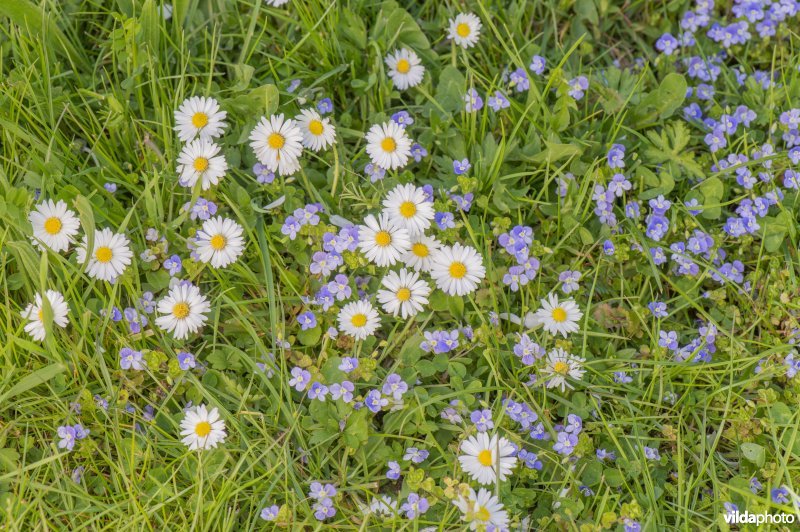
(422,265)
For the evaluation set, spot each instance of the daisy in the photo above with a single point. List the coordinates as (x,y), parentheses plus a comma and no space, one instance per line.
(388,145)
(382,241)
(487,459)
(358,319)
(277,144)
(184,310)
(482,510)
(405,293)
(457,270)
(407,206)
(422,249)
(200,160)
(560,365)
(405,68)
(202,428)
(558,317)
(465,30)
(35,313)
(199,116)
(318,133)
(219,242)
(110,256)
(54,226)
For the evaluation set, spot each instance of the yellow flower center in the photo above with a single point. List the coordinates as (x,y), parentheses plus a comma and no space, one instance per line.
(103,254)
(52,225)
(217,242)
(420,250)
(41,314)
(403,66)
(315,127)
(559,314)
(199,120)
(201,164)
(404,294)
(383,238)
(482,514)
(408,209)
(359,320)
(202,429)
(561,367)
(463,30)
(388,145)
(276,141)
(458,270)
(485,457)
(180,310)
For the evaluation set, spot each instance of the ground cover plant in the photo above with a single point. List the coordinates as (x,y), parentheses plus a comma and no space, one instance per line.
(361,264)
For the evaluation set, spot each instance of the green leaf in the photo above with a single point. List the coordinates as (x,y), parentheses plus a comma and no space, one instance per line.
(356,432)
(662,102)
(40,376)
(754,453)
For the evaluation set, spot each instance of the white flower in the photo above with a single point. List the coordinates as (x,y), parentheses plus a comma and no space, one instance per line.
(482,509)
(388,145)
(202,429)
(487,459)
(465,30)
(54,225)
(457,270)
(277,144)
(110,256)
(219,242)
(318,133)
(199,160)
(184,310)
(382,241)
(199,116)
(358,319)
(560,365)
(35,313)
(407,206)
(383,505)
(276,3)
(419,257)
(405,293)
(405,68)
(558,317)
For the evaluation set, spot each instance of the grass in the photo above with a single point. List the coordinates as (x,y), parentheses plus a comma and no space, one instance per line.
(86,98)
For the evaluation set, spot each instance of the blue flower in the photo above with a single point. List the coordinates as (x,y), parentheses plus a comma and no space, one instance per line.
(565,443)
(530,459)
(402,118)
(444,220)
(270,513)
(300,379)
(473,101)
(658,309)
(464,202)
(318,391)
(348,364)
(343,391)
(482,419)
(323,509)
(418,152)
(374,402)
(578,86)
(395,386)
(616,156)
(538,64)
(130,359)
(414,506)
(667,44)
(498,101)
(651,453)
(519,80)
(186,360)
(461,167)
(173,265)
(417,456)
(307,320)
(264,175)
(325,106)
(394,471)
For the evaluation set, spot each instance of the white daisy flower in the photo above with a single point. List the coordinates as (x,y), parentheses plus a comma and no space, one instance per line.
(487,459)
(358,319)
(382,241)
(277,144)
(405,68)
(561,365)
(405,293)
(199,116)
(54,225)
(318,133)
(407,206)
(465,30)
(35,313)
(276,3)
(482,510)
(457,270)
(202,428)
(381,505)
(184,310)
(199,160)
(558,317)
(219,242)
(419,257)
(110,257)
(388,145)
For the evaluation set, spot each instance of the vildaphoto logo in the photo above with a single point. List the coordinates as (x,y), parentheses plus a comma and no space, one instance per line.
(740,518)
